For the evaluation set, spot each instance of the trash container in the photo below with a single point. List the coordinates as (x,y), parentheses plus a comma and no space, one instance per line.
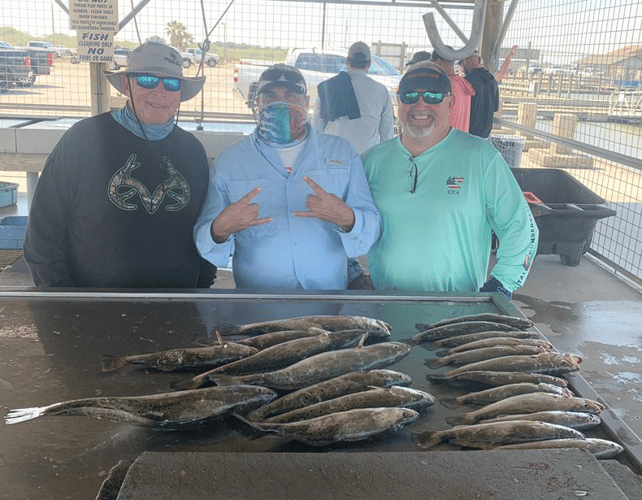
(12,232)
(511,148)
(565,211)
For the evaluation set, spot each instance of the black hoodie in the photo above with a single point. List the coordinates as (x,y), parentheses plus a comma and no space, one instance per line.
(484,103)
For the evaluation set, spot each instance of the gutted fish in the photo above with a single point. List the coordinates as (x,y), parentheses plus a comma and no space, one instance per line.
(161,411)
(345,426)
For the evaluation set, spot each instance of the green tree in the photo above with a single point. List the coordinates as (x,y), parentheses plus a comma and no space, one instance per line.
(156,38)
(178,35)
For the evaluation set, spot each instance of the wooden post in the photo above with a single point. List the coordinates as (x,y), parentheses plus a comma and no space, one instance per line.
(563,126)
(527,115)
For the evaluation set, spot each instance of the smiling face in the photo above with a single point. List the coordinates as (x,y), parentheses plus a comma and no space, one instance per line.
(421,120)
(152,106)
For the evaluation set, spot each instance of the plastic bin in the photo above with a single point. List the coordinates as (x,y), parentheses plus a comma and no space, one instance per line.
(567,213)
(511,148)
(8,194)
(12,232)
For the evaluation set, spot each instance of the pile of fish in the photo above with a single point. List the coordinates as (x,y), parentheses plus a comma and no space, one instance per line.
(316,379)
(525,403)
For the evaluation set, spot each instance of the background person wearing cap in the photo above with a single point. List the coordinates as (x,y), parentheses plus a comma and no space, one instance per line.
(121,191)
(462,91)
(485,102)
(440,193)
(288,203)
(354,106)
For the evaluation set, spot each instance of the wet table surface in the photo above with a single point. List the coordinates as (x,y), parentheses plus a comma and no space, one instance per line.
(50,348)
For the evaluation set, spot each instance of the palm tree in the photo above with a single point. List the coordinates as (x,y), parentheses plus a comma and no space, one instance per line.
(178,35)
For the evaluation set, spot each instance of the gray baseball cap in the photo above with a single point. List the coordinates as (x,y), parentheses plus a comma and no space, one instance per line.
(282,74)
(160,60)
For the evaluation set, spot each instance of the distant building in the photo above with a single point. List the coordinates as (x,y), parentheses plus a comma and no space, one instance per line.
(624,64)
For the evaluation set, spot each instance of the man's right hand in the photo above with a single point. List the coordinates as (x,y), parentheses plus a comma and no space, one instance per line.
(236,217)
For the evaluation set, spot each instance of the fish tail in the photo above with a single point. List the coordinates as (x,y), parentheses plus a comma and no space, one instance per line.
(411,341)
(451,402)
(23,414)
(441,354)
(435,362)
(436,378)
(253,430)
(221,379)
(110,362)
(465,419)
(422,327)
(426,439)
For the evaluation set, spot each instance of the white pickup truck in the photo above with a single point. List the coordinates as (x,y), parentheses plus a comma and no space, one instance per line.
(316,66)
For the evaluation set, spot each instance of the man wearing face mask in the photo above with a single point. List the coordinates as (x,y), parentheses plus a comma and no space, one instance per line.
(290,204)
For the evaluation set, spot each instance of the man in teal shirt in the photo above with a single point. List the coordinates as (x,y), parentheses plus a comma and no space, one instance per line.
(441,193)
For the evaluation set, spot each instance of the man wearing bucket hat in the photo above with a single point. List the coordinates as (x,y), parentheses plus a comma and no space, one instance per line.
(441,192)
(288,203)
(120,192)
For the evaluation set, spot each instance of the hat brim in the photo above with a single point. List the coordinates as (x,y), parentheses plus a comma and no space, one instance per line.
(292,86)
(189,88)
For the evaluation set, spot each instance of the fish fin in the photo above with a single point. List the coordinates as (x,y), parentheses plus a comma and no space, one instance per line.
(187,384)
(426,439)
(227,329)
(567,393)
(441,354)
(23,414)
(465,419)
(435,362)
(221,379)
(422,327)
(451,402)
(250,429)
(363,340)
(110,362)
(218,337)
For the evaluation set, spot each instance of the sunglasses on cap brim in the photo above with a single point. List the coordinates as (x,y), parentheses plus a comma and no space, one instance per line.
(411,97)
(279,75)
(151,82)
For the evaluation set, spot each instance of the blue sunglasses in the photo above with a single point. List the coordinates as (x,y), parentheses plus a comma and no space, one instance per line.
(428,97)
(151,82)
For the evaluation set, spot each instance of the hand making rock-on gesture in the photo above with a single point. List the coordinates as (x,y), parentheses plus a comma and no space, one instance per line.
(327,207)
(238,216)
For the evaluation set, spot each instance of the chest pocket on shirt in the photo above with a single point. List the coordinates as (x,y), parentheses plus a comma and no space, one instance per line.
(332,179)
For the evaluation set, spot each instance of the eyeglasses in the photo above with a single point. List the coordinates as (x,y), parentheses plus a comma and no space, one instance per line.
(412,175)
(428,97)
(151,82)
(274,75)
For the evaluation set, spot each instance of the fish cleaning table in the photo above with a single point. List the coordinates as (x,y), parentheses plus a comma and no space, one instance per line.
(50,349)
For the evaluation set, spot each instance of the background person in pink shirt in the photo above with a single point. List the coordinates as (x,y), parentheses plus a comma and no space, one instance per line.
(462,91)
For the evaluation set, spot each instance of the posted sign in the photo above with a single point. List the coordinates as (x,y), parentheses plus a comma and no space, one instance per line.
(96,22)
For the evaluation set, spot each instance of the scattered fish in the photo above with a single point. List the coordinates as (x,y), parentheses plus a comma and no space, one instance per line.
(488,436)
(330,323)
(471,337)
(486,353)
(515,321)
(329,389)
(279,356)
(494,342)
(502,392)
(574,419)
(179,359)
(345,426)
(495,378)
(376,397)
(168,411)
(548,363)
(323,366)
(465,328)
(527,403)
(600,448)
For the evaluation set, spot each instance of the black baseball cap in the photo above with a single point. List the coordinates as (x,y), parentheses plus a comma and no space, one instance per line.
(425,77)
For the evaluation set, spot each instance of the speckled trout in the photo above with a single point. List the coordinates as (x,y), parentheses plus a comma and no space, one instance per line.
(482,354)
(323,366)
(330,323)
(549,363)
(266,340)
(574,419)
(502,392)
(352,425)
(376,397)
(487,436)
(516,321)
(161,411)
(465,339)
(599,448)
(455,329)
(328,389)
(178,359)
(495,378)
(494,342)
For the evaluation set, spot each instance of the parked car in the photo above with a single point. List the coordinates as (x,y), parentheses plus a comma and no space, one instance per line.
(56,50)
(38,60)
(197,54)
(535,69)
(120,58)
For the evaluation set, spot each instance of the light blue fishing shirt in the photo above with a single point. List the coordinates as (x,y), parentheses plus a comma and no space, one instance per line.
(289,252)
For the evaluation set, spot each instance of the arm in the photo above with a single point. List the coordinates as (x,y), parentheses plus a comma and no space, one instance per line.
(386,124)
(317,122)
(46,249)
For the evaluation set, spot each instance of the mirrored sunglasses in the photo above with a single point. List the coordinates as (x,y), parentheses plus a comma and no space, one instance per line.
(151,82)
(274,75)
(428,97)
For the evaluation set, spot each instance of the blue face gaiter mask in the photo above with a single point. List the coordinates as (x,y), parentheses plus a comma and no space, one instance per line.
(283,123)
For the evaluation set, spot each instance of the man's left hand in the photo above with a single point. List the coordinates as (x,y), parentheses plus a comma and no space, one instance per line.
(327,207)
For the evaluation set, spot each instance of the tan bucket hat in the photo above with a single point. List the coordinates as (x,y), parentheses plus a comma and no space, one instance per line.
(160,60)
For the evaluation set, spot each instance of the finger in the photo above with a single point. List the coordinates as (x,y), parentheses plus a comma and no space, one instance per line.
(250,196)
(315,187)
(258,222)
(303,214)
